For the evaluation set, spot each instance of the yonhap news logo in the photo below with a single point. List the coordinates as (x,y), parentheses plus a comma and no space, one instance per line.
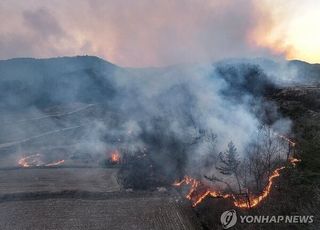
(229,219)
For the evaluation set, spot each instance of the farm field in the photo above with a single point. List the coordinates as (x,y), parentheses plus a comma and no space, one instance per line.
(85,198)
(58,179)
(118,213)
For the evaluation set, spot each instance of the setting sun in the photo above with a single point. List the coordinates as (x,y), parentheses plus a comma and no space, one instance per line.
(291,29)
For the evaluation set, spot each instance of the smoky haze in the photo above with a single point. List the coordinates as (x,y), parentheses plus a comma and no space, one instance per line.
(85,108)
(139,34)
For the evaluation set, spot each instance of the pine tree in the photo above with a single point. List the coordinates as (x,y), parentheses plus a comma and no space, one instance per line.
(230,163)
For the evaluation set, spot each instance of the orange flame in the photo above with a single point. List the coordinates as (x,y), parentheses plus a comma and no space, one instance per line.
(115,157)
(32,160)
(35,161)
(294,161)
(198,191)
(254,201)
(293,144)
(23,162)
(55,163)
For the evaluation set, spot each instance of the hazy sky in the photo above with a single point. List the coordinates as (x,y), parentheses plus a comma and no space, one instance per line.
(160,32)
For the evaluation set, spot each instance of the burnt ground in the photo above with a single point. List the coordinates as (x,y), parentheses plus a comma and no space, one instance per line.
(85,198)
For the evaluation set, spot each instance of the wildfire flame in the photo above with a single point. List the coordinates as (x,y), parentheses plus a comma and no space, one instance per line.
(35,161)
(115,157)
(254,201)
(55,163)
(294,161)
(196,196)
(293,144)
(198,191)
(32,160)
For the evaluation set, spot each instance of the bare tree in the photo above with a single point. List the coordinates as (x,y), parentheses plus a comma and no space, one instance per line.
(256,165)
(270,148)
(263,155)
(210,138)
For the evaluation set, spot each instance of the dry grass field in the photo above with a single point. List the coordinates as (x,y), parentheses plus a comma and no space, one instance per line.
(58,179)
(119,213)
(84,198)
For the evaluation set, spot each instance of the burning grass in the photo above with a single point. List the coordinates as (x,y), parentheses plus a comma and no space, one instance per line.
(37,160)
(198,191)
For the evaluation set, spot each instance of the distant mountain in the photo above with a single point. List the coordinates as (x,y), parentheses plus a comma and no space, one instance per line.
(28,82)
(306,70)
(42,82)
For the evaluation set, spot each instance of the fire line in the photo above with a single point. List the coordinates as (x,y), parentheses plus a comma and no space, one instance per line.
(198,191)
(35,161)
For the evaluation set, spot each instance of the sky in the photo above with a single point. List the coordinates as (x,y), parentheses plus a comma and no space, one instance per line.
(145,33)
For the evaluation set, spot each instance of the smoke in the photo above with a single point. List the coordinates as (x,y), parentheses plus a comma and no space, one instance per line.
(190,99)
(166,32)
(84,107)
(178,108)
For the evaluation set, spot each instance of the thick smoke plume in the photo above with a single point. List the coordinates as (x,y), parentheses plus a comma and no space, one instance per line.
(84,106)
